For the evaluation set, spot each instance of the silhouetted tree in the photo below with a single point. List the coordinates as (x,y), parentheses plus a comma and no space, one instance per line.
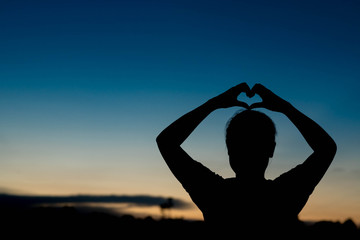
(166,207)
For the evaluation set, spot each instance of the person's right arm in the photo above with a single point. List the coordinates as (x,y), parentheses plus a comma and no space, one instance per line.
(170,139)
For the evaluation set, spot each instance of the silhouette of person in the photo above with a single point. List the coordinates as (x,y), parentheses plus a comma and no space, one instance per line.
(248,202)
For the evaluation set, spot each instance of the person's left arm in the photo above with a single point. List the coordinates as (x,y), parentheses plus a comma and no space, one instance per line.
(324,147)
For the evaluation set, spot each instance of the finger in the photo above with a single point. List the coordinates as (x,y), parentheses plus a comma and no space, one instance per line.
(258,88)
(250,93)
(246,87)
(242,87)
(242,104)
(261,90)
(255,90)
(257,105)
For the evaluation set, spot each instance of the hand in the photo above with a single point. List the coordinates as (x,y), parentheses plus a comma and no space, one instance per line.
(229,98)
(270,100)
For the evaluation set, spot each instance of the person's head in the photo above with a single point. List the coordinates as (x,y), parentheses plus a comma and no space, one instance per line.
(250,140)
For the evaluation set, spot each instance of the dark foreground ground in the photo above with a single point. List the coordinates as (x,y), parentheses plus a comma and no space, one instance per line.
(69,223)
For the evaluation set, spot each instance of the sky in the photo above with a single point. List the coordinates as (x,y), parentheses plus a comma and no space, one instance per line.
(86,86)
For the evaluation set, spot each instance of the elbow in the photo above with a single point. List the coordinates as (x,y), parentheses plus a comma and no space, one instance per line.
(332,148)
(165,143)
(161,140)
(329,149)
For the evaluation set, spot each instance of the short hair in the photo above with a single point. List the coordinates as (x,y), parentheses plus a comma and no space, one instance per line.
(247,125)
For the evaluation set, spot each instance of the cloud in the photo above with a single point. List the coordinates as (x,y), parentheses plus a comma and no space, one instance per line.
(9,200)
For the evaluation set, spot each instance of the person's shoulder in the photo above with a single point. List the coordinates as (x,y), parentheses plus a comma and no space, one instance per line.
(203,171)
(295,180)
(198,176)
(292,173)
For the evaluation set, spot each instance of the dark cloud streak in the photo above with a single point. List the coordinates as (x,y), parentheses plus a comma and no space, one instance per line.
(8,200)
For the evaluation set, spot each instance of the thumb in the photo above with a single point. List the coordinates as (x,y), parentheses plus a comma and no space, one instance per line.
(242,104)
(256,105)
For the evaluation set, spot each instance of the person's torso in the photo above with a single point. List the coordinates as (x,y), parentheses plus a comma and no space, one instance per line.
(242,204)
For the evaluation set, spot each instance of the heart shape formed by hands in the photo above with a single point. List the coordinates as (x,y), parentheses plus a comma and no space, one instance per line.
(251,100)
(269,100)
(232,97)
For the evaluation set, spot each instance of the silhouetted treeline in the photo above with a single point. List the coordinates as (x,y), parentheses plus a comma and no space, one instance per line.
(69,223)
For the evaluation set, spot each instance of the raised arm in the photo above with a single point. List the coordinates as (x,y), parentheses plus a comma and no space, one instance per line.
(169,140)
(323,146)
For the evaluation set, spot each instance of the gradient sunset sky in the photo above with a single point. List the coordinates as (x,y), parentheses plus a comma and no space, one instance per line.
(86,86)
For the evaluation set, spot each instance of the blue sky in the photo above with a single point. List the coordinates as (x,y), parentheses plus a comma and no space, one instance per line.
(85,87)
